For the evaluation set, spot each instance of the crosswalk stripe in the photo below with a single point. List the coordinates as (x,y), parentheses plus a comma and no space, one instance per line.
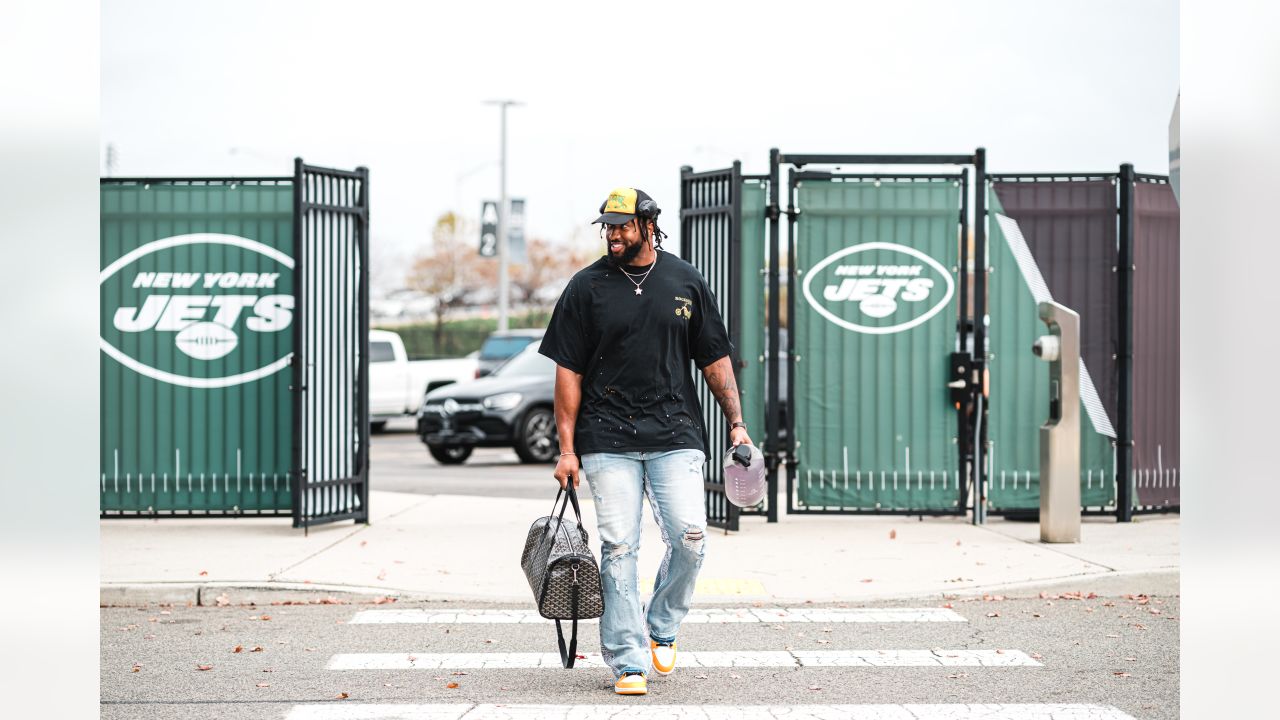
(346,711)
(695,616)
(709,659)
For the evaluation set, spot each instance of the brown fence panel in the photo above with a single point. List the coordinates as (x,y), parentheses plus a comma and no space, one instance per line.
(1070,228)
(1155,345)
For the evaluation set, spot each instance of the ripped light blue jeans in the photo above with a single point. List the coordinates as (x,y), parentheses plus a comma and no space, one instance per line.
(672,480)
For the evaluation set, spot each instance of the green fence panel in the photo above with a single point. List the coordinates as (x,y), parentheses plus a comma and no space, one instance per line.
(1019,401)
(751,309)
(196,293)
(875,323)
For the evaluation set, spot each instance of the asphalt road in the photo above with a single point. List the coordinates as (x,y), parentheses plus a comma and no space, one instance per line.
(1113,651)
(399,462)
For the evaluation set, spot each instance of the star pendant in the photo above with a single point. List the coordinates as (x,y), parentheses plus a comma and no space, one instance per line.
(638,291)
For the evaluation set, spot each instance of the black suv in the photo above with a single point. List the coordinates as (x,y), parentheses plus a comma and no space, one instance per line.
(510,408)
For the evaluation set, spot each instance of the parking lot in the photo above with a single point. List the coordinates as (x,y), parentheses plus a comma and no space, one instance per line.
(400,462)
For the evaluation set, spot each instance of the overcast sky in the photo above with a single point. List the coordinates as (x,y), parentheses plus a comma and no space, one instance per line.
(622,93)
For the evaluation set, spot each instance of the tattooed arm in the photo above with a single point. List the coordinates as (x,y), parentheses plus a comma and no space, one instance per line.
(719,377)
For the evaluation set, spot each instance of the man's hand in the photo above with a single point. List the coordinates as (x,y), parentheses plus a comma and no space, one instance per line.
(738,436)
(566,468)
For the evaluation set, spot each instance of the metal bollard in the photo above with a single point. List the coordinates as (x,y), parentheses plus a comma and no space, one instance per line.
(1060,434)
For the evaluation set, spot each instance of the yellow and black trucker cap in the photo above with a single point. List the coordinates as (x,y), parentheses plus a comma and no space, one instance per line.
(625,203)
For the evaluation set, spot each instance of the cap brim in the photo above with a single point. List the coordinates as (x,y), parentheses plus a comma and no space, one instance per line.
(614,218)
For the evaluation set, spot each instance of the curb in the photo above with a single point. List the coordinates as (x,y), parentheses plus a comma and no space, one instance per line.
(240,593)
(295,593)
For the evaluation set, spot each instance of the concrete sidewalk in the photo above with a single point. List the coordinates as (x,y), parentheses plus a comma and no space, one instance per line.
(467,549)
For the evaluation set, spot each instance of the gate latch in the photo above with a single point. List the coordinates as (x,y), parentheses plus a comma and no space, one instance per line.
(956,383)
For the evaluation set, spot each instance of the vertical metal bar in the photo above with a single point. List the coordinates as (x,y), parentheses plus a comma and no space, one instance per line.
(346,323)
(792,284)
(1124,359)
(326,492)
(363,343)
(299,361)
(963,439)
(772,440)
(979,326)
(733,284)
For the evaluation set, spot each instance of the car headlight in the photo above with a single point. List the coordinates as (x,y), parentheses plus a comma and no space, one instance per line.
(502,401)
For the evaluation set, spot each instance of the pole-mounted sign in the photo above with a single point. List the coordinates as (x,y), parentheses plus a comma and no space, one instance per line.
(488,229)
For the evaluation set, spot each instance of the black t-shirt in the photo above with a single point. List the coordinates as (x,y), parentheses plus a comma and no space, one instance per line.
(633,352)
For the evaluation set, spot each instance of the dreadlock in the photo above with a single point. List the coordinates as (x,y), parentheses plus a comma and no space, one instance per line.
(658,235)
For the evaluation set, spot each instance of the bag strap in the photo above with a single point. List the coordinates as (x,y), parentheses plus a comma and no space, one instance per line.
(567,656)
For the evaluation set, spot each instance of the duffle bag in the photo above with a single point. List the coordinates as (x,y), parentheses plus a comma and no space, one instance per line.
(562,572)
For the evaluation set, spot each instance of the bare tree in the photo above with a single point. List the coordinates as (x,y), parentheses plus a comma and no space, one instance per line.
(449,269)
(549,264)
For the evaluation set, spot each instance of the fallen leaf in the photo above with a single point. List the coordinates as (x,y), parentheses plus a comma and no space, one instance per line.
(223,600)
(137,667)
(490,642)
(256,648)
(957,543)
(460,672)
(341,696)
(452,685)
(264,684)
(947,605)
(1120,674)
(203,573)
(815,687)
(265,617)
(893,534)
(363,543)
(867,580)
(581,657)
(204,667)
(383,600)
(1036,656)
(239,648)
(993,614)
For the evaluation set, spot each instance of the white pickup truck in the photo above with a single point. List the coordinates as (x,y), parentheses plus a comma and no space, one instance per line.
(397,384)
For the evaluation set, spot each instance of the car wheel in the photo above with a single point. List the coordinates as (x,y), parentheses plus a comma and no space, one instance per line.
(377,426)
(450,455)
(536,439)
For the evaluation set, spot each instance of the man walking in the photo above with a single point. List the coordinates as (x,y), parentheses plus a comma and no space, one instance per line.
(622,335)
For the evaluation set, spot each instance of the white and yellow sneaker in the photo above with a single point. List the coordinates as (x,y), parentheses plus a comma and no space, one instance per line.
(631,684)
(664,657)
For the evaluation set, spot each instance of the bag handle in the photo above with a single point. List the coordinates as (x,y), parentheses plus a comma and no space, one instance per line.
(567,656)
(572,497)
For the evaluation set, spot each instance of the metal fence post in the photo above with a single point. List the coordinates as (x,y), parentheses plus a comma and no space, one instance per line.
(1124,356)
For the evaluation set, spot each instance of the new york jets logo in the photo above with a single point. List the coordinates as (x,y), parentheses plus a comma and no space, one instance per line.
(878,288)
(204,310)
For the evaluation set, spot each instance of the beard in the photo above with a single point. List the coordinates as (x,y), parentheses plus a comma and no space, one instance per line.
(628,254)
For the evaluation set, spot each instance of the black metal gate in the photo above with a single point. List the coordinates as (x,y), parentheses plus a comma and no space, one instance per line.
(331,331)
(711,240)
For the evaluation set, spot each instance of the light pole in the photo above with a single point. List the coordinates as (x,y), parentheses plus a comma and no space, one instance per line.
(504,283)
